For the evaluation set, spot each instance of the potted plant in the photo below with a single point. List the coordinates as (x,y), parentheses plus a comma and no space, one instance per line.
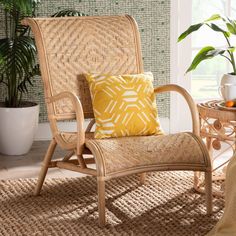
(18,118)
(228,29)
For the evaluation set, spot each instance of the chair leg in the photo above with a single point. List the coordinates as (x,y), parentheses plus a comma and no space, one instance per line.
(142,178)
(208,191)
(44,167)
(101,201)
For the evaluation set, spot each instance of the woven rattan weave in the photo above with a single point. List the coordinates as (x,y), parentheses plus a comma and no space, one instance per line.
(71,46)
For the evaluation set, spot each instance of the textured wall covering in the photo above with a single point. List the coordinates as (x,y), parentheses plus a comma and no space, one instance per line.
(152,17)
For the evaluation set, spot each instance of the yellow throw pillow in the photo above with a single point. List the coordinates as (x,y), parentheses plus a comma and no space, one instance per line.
(123,105)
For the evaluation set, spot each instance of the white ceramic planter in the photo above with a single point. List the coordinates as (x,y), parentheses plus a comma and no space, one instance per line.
(228,87)
(17,129)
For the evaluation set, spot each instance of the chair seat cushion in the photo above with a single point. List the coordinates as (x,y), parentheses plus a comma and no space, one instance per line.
(163,152)
(124,105)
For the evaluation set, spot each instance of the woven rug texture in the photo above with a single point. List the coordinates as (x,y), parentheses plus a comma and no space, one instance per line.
(166,205)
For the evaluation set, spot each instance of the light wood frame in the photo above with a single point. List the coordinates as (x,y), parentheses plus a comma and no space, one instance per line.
(45,31)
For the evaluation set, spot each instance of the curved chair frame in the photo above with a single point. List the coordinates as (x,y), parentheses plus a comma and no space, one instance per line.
(60,52)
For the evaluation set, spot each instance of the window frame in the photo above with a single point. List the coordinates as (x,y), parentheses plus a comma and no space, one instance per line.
(179,113)
(180,58)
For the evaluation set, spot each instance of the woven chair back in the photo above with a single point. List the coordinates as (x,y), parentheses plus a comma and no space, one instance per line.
(71,46)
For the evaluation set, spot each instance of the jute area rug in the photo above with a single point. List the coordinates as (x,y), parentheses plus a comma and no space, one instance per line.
(166,206)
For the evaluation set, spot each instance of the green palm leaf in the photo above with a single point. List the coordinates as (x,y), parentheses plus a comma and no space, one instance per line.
(17,50)
(209,51)
(190,30)
(205,53)
(27,79)
(68,12)
(214,17)
(19,53)
(26,7)
(218,29)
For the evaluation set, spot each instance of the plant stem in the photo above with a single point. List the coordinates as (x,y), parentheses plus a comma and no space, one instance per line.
(6,24)
(231,56)
(8,89)
(19,99)
(227,58)
(233,62)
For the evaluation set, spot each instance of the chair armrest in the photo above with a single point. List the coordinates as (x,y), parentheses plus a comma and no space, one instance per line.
(78,113)
(189,100)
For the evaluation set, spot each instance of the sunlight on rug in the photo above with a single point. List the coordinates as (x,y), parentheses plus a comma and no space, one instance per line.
(166,205)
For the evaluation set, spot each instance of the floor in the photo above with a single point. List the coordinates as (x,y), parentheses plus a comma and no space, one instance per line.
(28,166)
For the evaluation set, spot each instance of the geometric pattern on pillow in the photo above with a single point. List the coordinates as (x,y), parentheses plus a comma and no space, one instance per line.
(124,105)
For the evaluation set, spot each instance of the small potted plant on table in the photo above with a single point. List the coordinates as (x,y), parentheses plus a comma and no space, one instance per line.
(228,81)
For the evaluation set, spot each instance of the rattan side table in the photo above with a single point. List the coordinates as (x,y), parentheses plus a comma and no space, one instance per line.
(218,130)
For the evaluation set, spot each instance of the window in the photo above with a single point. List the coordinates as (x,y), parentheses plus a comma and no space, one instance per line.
(203,82)
(206,78)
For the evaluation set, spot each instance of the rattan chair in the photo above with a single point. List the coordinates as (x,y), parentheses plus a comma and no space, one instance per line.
(71,46)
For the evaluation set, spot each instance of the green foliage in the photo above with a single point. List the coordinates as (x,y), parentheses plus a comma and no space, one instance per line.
(18,64)
(191,29)
(213,17)
(209,52)
(17,50)
(68,12)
